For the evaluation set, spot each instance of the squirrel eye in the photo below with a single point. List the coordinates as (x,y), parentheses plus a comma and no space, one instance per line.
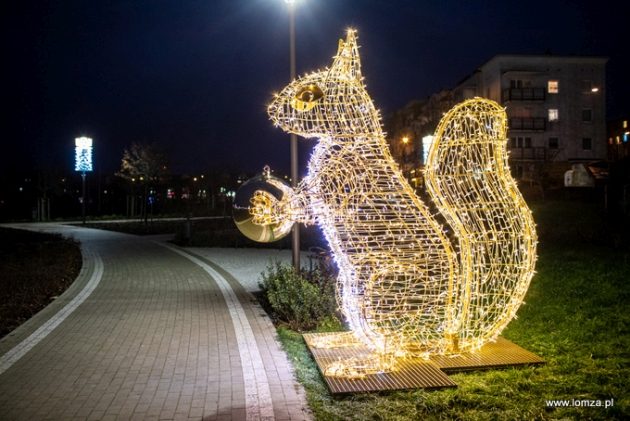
(306,97)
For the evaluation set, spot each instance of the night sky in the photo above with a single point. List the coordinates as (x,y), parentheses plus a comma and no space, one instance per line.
(195,76)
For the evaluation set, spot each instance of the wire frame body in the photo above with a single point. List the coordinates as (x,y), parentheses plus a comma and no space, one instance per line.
(397,269)
(401,287)
(468,177)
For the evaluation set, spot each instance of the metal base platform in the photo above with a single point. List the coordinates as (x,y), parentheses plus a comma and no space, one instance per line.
(416,373)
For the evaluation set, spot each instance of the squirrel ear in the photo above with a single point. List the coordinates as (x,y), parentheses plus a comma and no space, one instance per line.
(347,64)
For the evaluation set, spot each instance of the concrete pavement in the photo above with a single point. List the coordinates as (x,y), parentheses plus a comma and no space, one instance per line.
(147,331)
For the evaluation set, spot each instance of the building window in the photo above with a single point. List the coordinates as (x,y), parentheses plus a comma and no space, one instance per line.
(517,171)
(553,114)
(587,115)
(553,143)
(625,124)
(626,137)
(520,142)
(587,143)
(552,87)
(587,85)
(516,83)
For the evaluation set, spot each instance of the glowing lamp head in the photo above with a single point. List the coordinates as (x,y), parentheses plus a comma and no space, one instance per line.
(83,154)
(83,142)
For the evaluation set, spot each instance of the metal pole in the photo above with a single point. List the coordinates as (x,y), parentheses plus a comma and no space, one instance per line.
(295,243)
(83,200)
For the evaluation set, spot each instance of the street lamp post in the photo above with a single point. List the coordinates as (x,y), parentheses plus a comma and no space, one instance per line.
(295,243)
(405,153)
(83,164)
(83,177)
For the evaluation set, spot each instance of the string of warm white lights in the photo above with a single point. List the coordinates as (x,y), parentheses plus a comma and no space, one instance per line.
(401,286)
(468,177)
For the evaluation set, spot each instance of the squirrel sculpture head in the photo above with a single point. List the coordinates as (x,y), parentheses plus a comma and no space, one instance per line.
(331,102)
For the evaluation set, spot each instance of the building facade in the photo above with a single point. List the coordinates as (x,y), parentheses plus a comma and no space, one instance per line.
(555,105)
(408,128)
(619,139)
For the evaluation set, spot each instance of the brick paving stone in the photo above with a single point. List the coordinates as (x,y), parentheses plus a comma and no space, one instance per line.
(154,339)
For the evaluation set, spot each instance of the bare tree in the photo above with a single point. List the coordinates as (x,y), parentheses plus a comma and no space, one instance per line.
(144,164)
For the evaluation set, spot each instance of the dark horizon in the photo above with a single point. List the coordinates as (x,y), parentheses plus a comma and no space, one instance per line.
(195,76)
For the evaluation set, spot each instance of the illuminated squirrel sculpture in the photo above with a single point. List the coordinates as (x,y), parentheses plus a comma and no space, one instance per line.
(403,287)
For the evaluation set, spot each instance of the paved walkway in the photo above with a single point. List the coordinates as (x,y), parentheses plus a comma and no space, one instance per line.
(147,331)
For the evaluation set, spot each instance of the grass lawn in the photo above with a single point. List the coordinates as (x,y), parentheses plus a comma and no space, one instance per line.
(34,268)
(576,317)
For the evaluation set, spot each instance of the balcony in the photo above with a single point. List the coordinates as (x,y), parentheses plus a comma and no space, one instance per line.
(524,94)
(527,123)
(534,154)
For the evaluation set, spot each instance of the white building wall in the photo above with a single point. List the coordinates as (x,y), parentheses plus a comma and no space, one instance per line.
(534,72)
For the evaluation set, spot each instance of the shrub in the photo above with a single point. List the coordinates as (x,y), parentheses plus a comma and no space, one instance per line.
(301,300)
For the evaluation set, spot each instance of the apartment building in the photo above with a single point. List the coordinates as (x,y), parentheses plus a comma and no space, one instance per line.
(555,106)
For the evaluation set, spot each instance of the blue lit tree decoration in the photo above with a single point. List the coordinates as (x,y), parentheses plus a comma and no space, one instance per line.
(83,163)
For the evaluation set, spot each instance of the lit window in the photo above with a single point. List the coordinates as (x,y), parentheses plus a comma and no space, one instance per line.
(587,143)
(625,124)
(587,115)
(618,140)
(552,86)
(626,136)
(553,143)
(610,140)
(553,114)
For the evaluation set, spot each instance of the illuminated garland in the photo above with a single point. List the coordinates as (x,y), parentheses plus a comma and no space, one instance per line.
(468,178)
(83,154)
(401,286)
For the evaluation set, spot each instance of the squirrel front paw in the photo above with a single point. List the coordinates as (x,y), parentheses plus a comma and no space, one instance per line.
(266,210)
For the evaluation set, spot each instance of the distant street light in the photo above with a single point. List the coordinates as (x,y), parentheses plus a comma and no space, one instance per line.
(295,243)
(83,163)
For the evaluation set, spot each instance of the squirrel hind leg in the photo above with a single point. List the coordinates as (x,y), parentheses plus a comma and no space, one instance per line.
(407,307)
